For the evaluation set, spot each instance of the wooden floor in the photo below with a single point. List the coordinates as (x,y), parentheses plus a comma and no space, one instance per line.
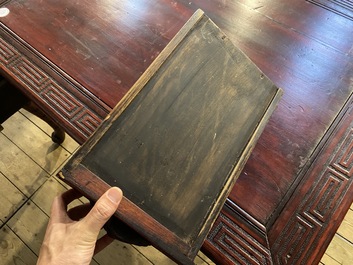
(28,164)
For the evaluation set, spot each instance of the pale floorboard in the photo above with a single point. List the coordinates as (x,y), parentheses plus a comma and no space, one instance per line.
(340,250)
(29,161)
(13,251)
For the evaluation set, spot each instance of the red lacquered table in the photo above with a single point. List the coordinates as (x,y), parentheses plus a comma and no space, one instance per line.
(76,59)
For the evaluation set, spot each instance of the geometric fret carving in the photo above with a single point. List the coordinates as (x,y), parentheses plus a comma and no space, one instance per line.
(297,234)
(343,162)
(86,121)
(29,73)
(318,205)
(325,196)
(7,52)
(66,104)
(236,244)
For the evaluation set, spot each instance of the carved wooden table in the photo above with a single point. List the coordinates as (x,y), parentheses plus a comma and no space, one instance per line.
(76,60)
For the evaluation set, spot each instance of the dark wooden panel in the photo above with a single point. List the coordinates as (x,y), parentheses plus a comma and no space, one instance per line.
(179,139)
(208,107)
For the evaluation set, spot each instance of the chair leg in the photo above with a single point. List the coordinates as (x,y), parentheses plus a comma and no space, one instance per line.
(58,136)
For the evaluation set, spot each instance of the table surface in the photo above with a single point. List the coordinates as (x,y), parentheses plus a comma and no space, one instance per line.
(77,59)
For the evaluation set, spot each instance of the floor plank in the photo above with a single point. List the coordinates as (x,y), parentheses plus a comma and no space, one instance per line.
(340,250)
(69,144)
(157,257)
(35,143)
(13,251)
(29,224)
(11,198)
(154,255)
(346,228)
(124,253)
(44,197)
(19,168)
(327,260)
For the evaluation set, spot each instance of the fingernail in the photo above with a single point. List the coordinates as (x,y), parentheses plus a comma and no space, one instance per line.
(114,194)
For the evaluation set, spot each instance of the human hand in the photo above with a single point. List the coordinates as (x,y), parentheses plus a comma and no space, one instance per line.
(69,240)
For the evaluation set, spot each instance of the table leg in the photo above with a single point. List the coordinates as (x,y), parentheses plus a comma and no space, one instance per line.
(58,136)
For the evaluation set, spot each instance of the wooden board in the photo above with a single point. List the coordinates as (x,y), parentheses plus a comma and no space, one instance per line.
(178,140)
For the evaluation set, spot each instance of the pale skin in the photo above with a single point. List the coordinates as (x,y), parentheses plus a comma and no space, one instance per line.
(71,235)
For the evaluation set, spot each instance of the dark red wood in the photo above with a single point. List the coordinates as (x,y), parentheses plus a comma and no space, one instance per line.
(77,59)
(92,187)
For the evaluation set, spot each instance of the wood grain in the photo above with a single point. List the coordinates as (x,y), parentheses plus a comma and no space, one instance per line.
(327,260)
(30,223)
(177,142)
(13,251)
(341,249)
(302,47)
(19,168)
(31,143)
(11,198)
(183,130)
(346,228)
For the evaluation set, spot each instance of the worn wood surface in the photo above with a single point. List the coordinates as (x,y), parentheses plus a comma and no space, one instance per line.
(12,249)
(302,47)
(9,204)
(185,131)
(178,141)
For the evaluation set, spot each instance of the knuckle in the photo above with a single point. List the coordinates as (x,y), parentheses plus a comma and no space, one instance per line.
(103,211)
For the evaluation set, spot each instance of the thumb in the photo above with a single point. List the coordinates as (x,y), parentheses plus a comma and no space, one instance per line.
(103,209)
